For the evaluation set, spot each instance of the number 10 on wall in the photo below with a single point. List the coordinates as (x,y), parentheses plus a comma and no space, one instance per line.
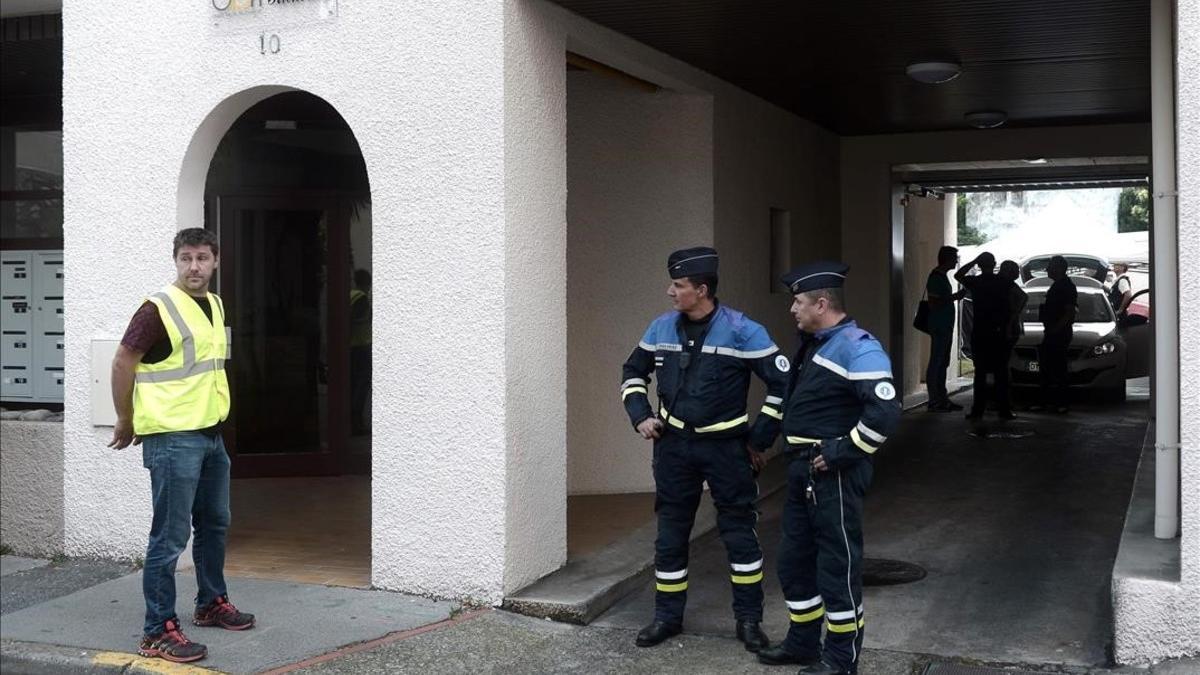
(268,43)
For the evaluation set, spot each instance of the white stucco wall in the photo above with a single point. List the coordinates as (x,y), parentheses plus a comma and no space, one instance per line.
(422,88)
(639,185)
(535,295)
(1187,108)
(459,109)
(31,487)
(1157,619)
(762,157)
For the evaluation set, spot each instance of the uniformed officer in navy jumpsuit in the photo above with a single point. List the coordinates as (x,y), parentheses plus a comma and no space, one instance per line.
(841,405)
(703,353)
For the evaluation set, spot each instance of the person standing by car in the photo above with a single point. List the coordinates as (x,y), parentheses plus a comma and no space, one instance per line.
(1121,292)
(1017,299)
(990,300)
(1057,315)
(941,297)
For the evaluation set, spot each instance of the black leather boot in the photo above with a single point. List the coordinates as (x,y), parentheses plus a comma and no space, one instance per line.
(822,668)
(751,634)
(779,656)
(657,632)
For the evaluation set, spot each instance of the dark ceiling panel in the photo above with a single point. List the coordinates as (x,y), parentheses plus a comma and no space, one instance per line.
(841,63)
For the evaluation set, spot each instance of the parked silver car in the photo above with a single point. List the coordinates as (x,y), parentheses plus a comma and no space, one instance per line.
(1103,353)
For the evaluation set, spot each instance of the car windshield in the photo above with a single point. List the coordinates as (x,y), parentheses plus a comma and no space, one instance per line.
(1093,308)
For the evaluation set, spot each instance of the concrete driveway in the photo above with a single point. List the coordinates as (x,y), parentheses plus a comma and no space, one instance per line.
(1017,525)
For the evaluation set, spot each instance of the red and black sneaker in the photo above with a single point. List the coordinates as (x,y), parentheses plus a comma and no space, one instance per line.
(221,612)
(171,644)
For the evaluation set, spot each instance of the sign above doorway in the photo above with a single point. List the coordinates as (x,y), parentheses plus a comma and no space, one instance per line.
(276,9)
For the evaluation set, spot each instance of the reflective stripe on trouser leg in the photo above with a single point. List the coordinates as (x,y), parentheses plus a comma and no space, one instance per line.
(734,491)
(839,573)
(798,567)
(678,487)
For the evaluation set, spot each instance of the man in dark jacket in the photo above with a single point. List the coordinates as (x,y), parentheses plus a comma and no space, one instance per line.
(703,354)
(991,312)
(941,296)
(841,406)
(1057,314)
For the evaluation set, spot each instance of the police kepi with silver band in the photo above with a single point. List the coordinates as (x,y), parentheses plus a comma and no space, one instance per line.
(841,405)
(703,354)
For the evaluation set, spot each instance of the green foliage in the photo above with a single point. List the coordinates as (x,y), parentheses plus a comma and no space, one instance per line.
(5,549)
(1133,210)
(967,235)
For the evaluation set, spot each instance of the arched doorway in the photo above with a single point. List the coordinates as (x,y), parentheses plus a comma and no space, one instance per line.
(288,194)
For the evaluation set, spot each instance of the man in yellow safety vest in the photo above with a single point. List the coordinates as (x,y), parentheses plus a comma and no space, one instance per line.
(360,351)
(171,396)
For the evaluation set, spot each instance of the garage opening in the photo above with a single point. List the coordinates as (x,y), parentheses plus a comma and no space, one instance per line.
(1100,224)
(288,194)
(1018,521)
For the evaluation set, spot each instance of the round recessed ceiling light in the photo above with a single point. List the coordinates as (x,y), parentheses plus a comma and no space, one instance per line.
(986,119)
(933,72)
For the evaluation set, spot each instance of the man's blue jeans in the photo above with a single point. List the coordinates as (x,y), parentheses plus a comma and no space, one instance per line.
(189,484)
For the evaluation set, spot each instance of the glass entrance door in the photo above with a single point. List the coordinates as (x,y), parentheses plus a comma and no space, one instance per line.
(284,280)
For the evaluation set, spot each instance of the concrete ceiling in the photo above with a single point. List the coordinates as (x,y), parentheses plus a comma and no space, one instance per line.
(840,63)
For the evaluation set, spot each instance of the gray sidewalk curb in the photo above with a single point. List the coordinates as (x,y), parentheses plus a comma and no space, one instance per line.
(36,658)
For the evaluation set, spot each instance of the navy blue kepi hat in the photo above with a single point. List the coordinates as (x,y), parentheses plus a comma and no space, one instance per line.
(820,274)
(693,262)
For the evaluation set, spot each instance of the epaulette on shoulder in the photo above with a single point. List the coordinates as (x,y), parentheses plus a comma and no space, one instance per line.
(856,333)
(737,322)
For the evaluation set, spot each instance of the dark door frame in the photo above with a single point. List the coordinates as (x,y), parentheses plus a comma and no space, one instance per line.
(334,457)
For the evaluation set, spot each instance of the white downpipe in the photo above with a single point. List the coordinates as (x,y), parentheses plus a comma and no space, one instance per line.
(1166,270)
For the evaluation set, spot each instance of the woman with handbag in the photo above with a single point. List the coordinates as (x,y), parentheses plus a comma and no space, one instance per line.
(940,326)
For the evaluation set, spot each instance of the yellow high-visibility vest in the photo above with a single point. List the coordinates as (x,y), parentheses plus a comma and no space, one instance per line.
(360,331)
(188,390)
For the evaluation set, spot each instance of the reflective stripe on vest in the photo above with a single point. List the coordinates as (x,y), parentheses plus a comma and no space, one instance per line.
(190,365)
(360,331)
(719,426)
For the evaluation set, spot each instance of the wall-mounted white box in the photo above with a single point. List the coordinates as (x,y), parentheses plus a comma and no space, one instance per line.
(102,353)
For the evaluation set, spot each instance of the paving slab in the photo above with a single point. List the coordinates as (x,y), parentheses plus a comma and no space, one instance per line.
(295,621)
(29,587)
(10,564)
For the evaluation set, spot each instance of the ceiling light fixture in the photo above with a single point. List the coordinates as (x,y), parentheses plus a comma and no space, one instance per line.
(933,72)
(986,119)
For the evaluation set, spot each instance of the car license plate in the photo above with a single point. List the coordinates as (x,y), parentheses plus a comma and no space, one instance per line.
(1033,366)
